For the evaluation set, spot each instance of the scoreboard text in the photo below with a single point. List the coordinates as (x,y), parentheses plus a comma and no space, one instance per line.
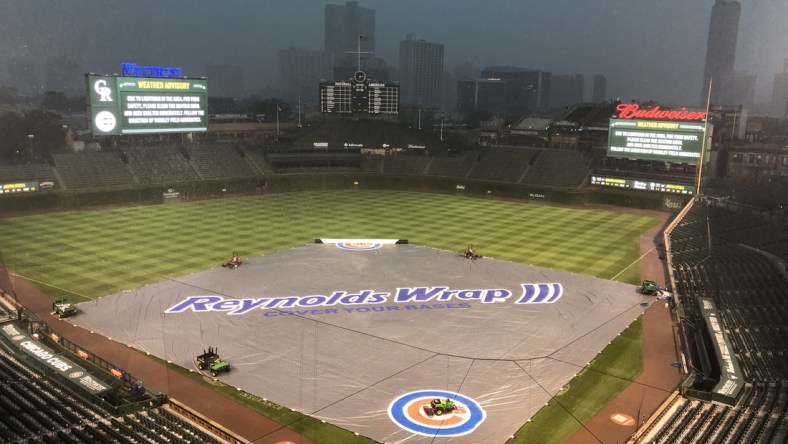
(655,140)
(139,105)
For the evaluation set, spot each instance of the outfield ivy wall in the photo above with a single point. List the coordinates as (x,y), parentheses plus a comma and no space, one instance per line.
(179,192)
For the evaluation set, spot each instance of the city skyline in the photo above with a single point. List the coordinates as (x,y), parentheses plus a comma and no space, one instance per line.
(645,51)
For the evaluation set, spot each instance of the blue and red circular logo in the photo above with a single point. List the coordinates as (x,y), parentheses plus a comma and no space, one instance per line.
(417,413)
(359,246)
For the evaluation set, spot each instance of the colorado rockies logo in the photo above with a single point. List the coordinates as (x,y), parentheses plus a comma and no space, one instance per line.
(359,246)
(436,413)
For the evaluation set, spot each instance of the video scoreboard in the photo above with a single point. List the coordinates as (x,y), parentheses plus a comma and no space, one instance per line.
(655,140)
(144,105)
(645,185)
(359,96)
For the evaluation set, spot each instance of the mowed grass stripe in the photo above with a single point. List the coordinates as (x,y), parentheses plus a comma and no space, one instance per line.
(104,252)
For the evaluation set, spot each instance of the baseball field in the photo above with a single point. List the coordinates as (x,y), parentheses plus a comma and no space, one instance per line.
(89,254)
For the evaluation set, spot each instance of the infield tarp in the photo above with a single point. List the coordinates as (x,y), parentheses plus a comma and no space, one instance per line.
(347,363)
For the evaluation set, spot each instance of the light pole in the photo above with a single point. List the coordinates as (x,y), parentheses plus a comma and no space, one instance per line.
(30,138)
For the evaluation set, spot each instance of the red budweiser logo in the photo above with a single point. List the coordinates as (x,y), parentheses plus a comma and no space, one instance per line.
(633,111)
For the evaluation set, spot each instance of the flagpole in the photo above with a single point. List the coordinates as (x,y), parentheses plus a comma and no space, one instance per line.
(358,53)
(277,119)
(705,138)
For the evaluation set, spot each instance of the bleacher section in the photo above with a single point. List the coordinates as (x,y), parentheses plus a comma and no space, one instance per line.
(559,168)
(258,162)
(371,163)
(718,254)
(33,408)
(453,166)
(41,172)
(504,164)
(219,161)
(159,164)
(400,164)
(90,170)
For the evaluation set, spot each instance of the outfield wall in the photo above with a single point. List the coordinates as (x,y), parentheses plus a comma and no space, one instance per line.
(147,195)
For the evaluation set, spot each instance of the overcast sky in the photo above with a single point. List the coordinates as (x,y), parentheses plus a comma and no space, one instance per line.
(647,49)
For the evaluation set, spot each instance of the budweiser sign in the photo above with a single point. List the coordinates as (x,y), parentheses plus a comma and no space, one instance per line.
(633,111)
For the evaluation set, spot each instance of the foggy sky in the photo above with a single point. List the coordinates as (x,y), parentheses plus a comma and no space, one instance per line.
(647,49)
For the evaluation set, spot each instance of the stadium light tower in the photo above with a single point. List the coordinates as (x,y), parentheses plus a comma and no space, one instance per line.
(30,138)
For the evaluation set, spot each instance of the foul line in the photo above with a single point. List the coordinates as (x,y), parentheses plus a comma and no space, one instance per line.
(633,263)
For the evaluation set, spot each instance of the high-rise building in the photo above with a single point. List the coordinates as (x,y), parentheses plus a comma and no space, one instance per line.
(300,73)
(482,95)
(226,80)
(345,27)
(420,73)
(721,48)
(780,92)
(566,90)
(600,89)
(527,90)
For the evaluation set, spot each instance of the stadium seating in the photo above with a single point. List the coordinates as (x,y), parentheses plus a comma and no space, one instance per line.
(730,257)
(503,164)
(92,170)
(219,161)
(159,164)
(453,166)
(40,172)
(559,168)
(405,164)
(36,408)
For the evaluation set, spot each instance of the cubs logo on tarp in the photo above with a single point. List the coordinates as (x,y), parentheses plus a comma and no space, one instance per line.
(412,411)
(359,246)
(541,293)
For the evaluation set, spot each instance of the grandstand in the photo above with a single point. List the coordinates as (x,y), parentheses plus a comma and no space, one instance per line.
(35,406)
(738,261)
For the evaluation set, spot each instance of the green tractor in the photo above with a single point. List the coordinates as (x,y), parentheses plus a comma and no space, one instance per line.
(649,287)
(438,407)
(63,308)
(210,360)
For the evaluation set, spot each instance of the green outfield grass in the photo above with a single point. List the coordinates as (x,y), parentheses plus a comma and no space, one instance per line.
(609,373)
(88,254)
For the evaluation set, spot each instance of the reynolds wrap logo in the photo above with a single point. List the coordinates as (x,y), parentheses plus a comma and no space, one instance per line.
(531,294)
